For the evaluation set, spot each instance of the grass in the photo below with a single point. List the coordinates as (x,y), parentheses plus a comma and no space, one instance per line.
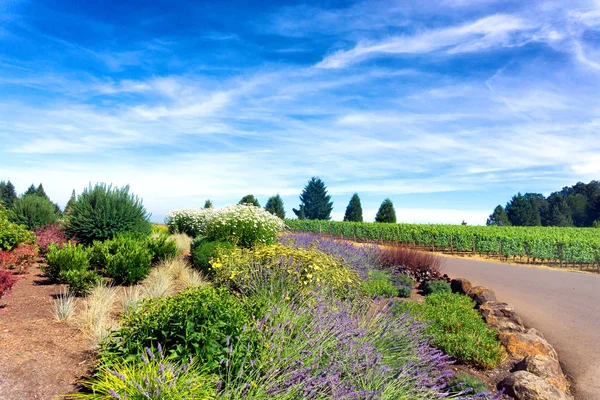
(64,306)
(96,319)
(183,242)
(457,328)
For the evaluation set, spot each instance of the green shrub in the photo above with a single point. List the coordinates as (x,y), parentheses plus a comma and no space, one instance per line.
(466,383)
(162,247)
(200,322)
(457,328)
(69,257)
(33,211)
(154,378)
(11,234)
(435,286)
(403,279)
(80,281)
(404,291)
(125,258)
(102,212)
(162,229)
(378,284)
(203,251)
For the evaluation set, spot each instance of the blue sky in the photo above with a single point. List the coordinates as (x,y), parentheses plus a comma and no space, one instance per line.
(447,107)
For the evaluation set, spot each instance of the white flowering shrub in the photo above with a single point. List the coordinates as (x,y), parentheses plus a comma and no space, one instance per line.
(244,224)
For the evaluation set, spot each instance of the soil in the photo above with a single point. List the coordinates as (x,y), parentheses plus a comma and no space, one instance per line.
(40,358)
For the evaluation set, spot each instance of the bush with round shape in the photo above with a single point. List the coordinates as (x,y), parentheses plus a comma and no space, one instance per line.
(126,258)
(200,322)
(7,281)
(162,247)
(80,282)
(69,257)
(379,284)
(33,211)
(203,251)
(192,222)
(11,234)
(102,212)
(436,286)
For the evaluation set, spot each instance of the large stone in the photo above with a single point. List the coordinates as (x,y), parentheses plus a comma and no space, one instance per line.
(501,316)
(533,331)
(546,368)
(460,285)
(481,295)
(523,385)
(521,345)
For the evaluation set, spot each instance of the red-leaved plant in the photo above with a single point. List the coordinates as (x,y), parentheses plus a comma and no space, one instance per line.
(7,280)
(19,258)
(48,235)
(420,265)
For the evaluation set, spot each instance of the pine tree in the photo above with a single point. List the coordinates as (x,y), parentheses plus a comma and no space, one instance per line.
(522,212)
(386,212)
(315,203)
(249,199)
(31,190)
(275,206)
(208,204)
(8,194)
(559,211)
(70,203)
(579,206)
(498,217)
(40,192)
(354,210)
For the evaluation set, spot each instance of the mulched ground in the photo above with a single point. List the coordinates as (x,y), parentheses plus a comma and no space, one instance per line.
(40,358)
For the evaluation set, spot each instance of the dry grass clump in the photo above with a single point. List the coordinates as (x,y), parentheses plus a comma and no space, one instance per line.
(64,306)
(183,241)
(96,318)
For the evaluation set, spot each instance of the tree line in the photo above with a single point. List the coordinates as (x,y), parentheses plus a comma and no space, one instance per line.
(577,205)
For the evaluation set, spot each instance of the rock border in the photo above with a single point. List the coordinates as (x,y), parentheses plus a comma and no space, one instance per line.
(536,374)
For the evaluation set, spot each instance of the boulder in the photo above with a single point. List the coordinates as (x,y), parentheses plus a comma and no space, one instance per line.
(523,385)
(533,331)
(460,285)
(501,316)
(481,295)
(546,368)
(521,345)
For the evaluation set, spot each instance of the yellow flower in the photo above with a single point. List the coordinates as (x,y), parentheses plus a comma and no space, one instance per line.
(253,384)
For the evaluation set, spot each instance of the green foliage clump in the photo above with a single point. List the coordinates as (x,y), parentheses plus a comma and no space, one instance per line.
(208,204)
(80,281)
(101,212)
(498,217)
(162,247)
(386,212)
(378,284)
(8,194)
(126,258)
(70,257)
(249,199)
(11,234)
(315,203)
(457,328)
(436,286)
(403,279)
(200,322)
(354,211)
(466,383)
(275,206)
(204,250)
(160,229)
(33,211)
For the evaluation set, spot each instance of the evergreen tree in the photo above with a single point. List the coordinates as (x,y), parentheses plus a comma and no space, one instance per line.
(540,207)
(275,206)
(386,212)
(522,212)
(208,204)
(498,217)
(559,211)
(354,210)
(579,206)
(40,192)
(249,199)
(31,190)
(70,203)
(315,203)
(8,194)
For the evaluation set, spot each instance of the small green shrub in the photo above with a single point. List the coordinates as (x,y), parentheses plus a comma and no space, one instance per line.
(201,322)
(404,291)
(33,211)
(69,257)
(466,383)
(457,328)
(80,281)
(203,251)
(127,259)
(161,229)
(435,286)
(11,234)
(162,247)
(378,284)
(102,212)
(403,279)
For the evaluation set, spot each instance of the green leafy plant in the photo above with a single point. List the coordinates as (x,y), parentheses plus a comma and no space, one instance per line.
(162,247)
(457,328)
(101,212)
(69,257)
(126,258)
(11,234)
(204,250)
(436,286)
(201,322)
(378,284)
(80,282)
(33,211)
(466,383)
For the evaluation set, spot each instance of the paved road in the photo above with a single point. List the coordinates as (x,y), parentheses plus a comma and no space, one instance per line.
(564,306)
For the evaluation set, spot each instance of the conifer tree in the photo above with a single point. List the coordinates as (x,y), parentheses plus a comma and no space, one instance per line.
(354,210)
(70,203)
(522,212)
(249,199)
(275,206)
(315,203)
(559,211)
(8,194)
(386,212)
(498,217)
(40,192)
(208,204)
(31,190)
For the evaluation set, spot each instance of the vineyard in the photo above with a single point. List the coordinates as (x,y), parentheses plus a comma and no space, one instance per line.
(566,247)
